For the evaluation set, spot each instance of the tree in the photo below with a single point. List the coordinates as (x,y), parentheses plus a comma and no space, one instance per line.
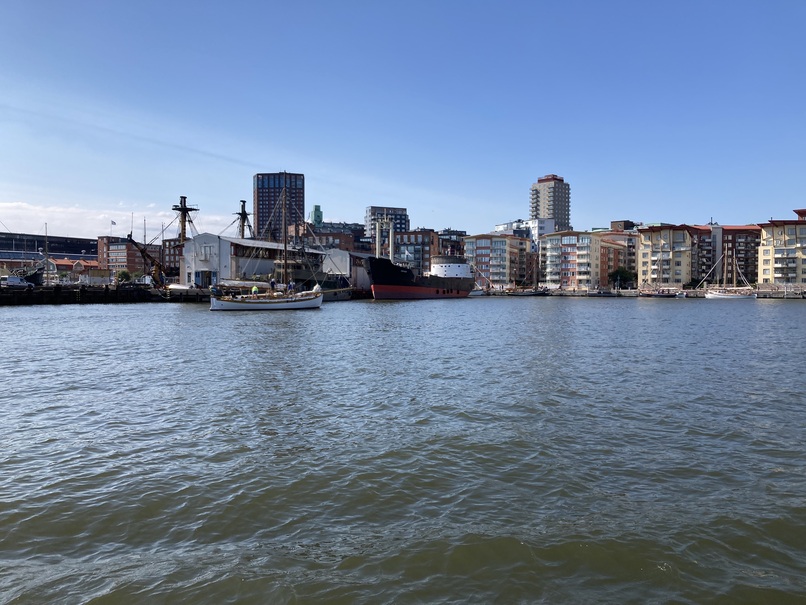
(124,276)
(622,277)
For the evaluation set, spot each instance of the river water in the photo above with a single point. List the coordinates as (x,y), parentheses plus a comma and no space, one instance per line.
(492,450)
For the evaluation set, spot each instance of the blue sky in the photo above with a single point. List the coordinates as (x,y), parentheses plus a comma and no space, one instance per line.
(678,112)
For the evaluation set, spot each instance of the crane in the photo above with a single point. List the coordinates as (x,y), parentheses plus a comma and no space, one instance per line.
(157,269)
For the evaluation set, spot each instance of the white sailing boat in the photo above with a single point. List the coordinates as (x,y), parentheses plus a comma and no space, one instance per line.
(270,299)
(743,292)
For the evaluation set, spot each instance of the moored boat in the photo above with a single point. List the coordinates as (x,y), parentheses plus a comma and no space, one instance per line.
(271,299)
(661,293)
(450,277)
(266,301)
(729,294)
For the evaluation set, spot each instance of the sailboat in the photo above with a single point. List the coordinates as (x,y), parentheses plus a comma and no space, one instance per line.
(744,292)
(272,299)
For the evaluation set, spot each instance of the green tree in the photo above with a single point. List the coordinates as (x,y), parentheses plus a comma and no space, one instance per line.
(622,277)
(124,276)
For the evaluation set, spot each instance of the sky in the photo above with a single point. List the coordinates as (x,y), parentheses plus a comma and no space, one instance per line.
(677,112)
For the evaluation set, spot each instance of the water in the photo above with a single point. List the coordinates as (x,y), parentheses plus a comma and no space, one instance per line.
(493,450)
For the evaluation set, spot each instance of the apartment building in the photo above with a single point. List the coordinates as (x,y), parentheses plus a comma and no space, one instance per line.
(398,218)
(782,251)
(498,259)
(415,249)
(681,255)
(118,254)
(580,259)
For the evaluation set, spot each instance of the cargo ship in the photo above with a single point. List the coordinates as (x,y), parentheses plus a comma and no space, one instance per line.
(450,277)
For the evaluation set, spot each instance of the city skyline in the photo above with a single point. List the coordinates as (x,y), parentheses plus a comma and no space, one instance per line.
(679,113)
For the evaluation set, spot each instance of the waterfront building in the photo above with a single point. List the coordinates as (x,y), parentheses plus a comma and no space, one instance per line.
(624,233)
(782,251)
(534,228)
(397,217)
(499,260)
(210,258)
(551,198)
(267,212)
(685,255)
(580,259)
(736,248)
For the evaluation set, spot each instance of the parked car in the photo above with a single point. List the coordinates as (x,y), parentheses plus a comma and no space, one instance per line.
(12,281)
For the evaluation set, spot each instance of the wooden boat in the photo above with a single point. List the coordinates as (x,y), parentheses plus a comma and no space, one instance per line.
(270,299)
(731,294)
(661,293)
(743,292)
(266,301)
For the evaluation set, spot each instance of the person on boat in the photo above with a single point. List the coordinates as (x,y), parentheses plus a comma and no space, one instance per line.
(291,286)
(254,291)
(273,284)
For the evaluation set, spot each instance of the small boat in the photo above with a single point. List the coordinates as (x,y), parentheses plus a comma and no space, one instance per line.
(265,301)
(730,294)
(661,293)
(271,299)
(528,292)
(599,292)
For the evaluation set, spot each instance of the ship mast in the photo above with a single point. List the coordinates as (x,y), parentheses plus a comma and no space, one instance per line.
(184,216)
(285,242)
(380,225)
(243,221)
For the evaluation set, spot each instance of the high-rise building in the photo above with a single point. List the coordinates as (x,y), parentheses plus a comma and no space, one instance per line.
(268,209)
(551,198)
(398,217)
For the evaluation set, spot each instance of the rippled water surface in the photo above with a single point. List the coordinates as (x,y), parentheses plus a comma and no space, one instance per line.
(494,450)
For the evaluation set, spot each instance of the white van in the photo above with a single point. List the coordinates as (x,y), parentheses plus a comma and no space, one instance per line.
(12,281)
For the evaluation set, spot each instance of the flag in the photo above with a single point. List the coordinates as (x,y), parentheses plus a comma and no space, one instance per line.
(113,222)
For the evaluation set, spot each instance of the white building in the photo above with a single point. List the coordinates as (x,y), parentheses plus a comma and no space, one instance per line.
(209,258)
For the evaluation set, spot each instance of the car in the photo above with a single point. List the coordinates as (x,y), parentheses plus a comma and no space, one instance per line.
(13,281)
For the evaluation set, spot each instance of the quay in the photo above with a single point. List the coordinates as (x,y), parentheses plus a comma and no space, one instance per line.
(127,294)
(94,295)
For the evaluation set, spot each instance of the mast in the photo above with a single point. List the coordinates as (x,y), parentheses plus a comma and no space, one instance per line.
(243,220)
(391,241)
(47,262)
(285,242)
(184,217)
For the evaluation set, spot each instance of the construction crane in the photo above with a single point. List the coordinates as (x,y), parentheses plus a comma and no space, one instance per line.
(157,269)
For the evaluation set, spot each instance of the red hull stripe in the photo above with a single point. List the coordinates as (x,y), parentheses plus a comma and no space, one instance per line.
(380,292)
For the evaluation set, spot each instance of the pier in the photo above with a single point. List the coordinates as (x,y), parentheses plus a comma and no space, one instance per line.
(94,295)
